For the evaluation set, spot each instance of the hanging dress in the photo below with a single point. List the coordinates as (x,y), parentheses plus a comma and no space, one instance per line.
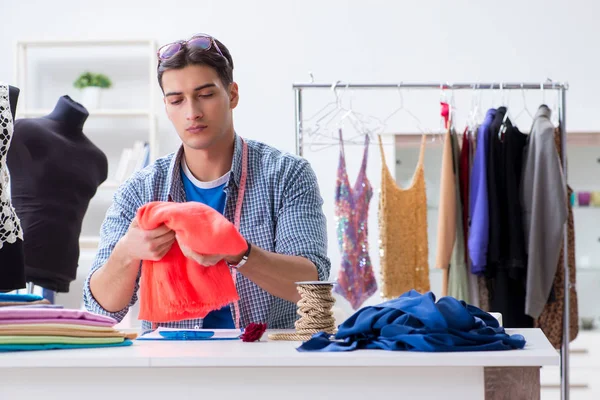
(551,319)
(403,231)
(458,279)
(356,280)
(447,209)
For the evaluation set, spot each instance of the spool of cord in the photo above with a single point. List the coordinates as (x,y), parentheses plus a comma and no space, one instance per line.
(314,308)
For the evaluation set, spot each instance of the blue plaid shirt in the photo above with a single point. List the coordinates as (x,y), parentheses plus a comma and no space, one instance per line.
(282,213)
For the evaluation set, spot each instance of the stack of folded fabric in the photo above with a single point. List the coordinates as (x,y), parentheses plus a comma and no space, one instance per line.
(10,299)
(42,328)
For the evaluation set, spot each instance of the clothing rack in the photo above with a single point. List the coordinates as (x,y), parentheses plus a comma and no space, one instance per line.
(547,85)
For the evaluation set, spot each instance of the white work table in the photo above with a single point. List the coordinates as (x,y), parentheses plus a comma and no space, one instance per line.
(270,370)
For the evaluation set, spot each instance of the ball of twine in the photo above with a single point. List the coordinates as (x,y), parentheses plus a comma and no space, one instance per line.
(314,308)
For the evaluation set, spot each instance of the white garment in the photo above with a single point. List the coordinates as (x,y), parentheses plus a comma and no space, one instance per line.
(10,226)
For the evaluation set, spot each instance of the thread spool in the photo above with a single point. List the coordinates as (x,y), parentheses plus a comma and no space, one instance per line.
(315,311)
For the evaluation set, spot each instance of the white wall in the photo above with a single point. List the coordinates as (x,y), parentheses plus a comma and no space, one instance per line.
(276,43)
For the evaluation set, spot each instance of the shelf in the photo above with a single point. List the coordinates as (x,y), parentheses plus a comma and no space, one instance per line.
(71,43)
(93,113)
(89,242)
(110,185)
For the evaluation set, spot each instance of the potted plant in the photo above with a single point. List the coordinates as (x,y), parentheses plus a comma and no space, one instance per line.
(91,85)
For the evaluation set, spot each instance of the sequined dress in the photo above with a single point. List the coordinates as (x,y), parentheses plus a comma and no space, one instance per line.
(403,232)
(356,280)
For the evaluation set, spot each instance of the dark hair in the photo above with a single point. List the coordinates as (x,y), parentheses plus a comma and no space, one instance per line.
(212,58)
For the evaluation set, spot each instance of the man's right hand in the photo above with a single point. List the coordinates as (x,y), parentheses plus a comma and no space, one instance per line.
(152,245)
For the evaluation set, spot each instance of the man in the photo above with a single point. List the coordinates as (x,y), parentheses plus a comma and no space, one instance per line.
(281,218)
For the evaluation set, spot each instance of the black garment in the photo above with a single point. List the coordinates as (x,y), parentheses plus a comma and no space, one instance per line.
(513,242)
(55,171)
(12,258)
(506,270)
(507,296)
(12,266)
(495,183)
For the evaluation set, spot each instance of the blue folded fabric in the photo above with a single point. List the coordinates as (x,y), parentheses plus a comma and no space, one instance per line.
(19,297)
(57,346)
(415,322)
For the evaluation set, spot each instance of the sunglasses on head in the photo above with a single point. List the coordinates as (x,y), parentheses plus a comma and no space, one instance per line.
(198,42)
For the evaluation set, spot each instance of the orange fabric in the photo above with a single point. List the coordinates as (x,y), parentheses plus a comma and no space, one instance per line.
(177,288)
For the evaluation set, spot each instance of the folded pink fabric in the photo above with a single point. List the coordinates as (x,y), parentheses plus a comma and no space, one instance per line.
(56,321)
(53,315)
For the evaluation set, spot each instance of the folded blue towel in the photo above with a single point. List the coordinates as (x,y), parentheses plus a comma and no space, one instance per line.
(415,322)
(19,297)
(57,346)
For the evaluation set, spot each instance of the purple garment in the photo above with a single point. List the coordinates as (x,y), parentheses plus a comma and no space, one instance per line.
(53,315)
(478,205)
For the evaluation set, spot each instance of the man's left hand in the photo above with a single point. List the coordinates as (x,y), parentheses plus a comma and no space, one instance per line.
(208,260)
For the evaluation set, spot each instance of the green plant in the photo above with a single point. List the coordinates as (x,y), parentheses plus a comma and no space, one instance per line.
(89,79)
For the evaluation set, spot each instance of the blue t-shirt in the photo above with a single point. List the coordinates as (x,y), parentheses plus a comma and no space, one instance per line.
(212,194)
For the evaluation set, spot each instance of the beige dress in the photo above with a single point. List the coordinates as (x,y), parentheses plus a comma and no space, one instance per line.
(403,232)
(446,235)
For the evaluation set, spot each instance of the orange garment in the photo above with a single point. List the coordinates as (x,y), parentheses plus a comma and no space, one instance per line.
(176,287)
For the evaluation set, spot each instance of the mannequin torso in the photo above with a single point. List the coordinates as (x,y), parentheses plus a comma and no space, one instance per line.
(56,170)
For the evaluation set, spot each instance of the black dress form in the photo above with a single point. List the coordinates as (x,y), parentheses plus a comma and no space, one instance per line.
(56,171)
(12,258)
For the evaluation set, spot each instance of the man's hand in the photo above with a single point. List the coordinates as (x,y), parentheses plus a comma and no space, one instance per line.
(208,260)
(152,245)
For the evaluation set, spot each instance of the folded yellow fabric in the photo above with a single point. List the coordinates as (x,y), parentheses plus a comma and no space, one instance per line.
(23,303)
(71,330)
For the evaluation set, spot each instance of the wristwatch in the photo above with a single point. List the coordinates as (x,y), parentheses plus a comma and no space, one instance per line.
(243,260)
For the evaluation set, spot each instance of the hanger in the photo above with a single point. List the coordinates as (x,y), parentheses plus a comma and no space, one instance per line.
(525,108)
(474,114)
(359,121)
(555,116)
(504,103)
(405,110)
(333,125)
(325,111)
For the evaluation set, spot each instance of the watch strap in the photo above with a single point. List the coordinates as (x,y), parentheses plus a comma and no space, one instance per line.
(244,258)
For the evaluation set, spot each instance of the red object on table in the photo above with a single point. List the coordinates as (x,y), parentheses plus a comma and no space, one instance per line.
(253,332)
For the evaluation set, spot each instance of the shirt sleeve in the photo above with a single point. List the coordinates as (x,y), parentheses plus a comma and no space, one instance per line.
(116,223)
(301,224)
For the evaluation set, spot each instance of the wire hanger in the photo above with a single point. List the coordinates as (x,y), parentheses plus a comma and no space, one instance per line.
(475,113)
(329,130)
(525,109)
(403,109)
(325,111)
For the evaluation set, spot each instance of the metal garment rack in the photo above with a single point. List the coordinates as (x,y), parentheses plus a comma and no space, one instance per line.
(547,85)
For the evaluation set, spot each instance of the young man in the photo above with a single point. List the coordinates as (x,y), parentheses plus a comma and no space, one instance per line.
(281,217)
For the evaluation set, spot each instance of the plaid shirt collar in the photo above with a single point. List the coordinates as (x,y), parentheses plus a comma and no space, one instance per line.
(175,184)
